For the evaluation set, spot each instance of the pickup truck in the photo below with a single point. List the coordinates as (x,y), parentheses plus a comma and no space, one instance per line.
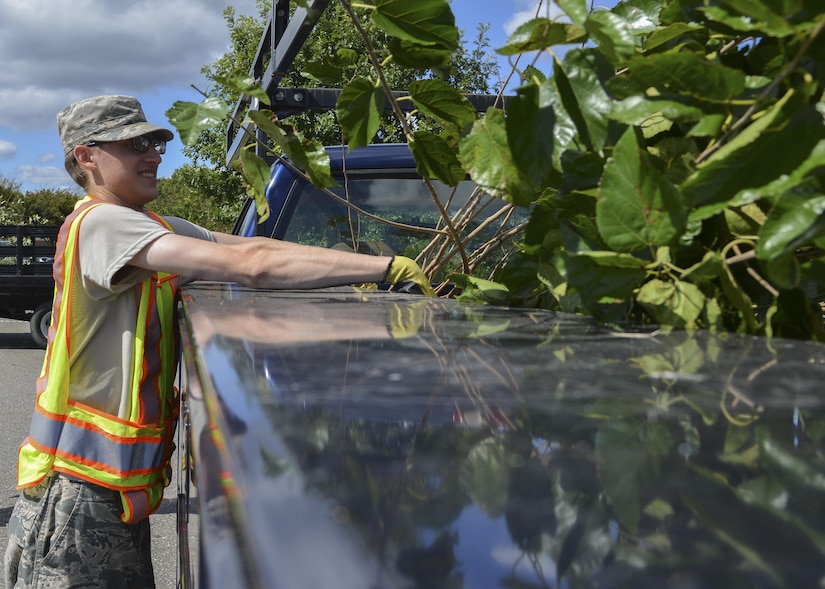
(376,181)
(26,281)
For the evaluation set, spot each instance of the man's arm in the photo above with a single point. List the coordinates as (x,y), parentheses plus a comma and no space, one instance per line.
(260,262)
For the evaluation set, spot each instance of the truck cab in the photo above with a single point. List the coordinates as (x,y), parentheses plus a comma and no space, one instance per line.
(380,206)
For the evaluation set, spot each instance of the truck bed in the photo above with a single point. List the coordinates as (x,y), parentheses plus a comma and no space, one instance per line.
(26,258)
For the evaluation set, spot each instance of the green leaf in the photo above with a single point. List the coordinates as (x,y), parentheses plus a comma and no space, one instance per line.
(637,110)
(282,135)
(417,56)
(316,164)
(687,74)
(359,109)
(793,221)
(485,154)
(329,69)
(641,15)
(749,16)
(773,145)
(539,34)
(603,277)
(687,357)
(638,206)
(803,180)
(708,126)
(673,304)
(575,9)
(705,271)
(309,156)
(444,103)
(245,84)
(425,22)
(255,172)
(578,80)
(478,290)
(267,121)
(582,171)
(531,119)
(324,70)
(763,490)
(665,35)
(613,34)
(533,75)
(191,119)
(435,158)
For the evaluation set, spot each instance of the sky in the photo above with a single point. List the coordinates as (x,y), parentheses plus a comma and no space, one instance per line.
(55,53)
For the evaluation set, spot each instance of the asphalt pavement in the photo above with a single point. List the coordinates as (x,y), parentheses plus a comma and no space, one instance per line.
(20,363)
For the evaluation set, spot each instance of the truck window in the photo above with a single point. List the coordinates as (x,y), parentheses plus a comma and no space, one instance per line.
(318,219)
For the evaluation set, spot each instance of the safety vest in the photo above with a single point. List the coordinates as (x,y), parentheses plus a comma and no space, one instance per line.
(129,455)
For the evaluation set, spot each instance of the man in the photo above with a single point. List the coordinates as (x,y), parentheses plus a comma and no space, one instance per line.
(96,460)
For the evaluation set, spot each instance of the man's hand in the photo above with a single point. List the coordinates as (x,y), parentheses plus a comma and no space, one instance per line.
(402,269)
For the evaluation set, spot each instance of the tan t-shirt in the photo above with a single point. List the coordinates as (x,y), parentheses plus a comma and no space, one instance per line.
(106,312)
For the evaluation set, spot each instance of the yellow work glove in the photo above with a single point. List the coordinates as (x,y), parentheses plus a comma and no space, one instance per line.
(402,269)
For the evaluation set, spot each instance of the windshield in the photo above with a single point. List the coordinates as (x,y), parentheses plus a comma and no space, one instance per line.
(400,198)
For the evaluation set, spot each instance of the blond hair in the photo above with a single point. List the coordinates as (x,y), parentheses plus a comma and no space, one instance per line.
(74,170)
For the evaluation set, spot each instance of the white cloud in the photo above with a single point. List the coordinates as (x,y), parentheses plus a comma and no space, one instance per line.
(58,52)
(7,150)
(44,176)
(529,9)
(46,158)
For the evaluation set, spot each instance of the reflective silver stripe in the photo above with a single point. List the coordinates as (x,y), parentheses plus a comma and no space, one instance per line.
(149,386)
(94,447)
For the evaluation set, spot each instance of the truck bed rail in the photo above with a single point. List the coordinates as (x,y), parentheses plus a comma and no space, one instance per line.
(27,250)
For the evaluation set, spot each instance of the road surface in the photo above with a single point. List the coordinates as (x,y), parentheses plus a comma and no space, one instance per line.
(20,362)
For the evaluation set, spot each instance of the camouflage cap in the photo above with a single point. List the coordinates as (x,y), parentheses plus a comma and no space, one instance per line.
(104,118)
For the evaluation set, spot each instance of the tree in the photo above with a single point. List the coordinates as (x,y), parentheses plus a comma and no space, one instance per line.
(672,162)
(333,55)
(45,206)
(10,197)
(211,198)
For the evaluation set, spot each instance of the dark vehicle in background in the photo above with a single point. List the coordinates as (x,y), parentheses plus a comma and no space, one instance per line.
(26,281)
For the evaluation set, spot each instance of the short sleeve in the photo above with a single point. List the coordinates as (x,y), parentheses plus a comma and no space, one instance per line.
(110,236)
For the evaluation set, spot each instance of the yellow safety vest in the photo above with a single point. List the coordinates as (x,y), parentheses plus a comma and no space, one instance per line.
(130,455)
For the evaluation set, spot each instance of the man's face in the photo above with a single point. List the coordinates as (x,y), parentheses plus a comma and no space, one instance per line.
(124,174)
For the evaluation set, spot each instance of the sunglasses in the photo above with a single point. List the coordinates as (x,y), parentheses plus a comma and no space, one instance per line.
(139,144)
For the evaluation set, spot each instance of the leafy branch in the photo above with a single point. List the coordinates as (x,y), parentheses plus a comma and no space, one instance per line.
(665,134)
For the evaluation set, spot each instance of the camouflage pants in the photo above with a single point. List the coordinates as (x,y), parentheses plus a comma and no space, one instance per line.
(66,533)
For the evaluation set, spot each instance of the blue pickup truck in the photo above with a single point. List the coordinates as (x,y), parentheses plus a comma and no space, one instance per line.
(380,206)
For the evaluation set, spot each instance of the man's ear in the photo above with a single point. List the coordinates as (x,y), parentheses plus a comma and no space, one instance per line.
(83,155)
